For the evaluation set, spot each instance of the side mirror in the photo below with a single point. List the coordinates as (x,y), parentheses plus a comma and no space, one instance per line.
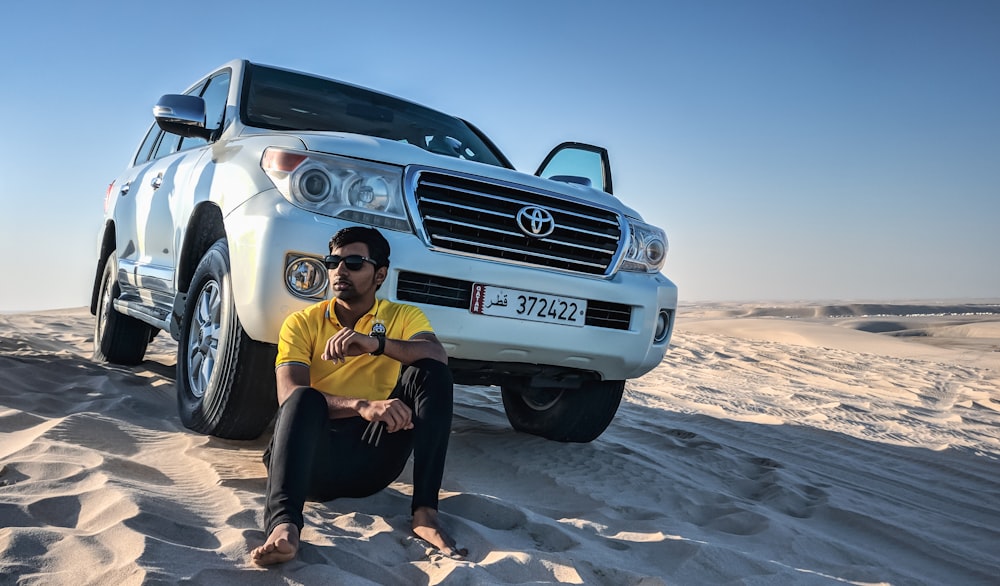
(183,115)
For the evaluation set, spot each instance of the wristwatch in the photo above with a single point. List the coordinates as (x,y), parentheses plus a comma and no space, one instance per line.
(381,343)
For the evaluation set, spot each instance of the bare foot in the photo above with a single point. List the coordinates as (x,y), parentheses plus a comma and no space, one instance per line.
(425,526)
(281,546)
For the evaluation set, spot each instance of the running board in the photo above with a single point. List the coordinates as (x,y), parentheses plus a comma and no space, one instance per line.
(144,313)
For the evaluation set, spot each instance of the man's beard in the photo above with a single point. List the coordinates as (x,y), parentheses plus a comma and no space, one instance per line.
(349,294)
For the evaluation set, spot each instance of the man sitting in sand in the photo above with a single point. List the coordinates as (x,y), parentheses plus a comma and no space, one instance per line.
(362,382)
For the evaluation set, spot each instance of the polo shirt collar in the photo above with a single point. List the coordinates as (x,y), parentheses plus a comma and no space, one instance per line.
(368,317)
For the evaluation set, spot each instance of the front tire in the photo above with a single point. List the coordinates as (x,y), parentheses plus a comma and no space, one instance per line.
(118,338)
(564,415)
(225,380)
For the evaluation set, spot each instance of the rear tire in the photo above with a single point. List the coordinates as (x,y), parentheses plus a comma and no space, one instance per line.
(225,380)
(563,415)
(118,338)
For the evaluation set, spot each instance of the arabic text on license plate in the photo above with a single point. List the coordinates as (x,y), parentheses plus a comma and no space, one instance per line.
(517,304)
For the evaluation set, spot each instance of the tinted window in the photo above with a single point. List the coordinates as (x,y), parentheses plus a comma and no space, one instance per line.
(147,145)
(215,96)
(169,144)
(284,100)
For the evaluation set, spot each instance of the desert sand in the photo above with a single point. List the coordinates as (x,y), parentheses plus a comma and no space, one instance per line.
(775,444)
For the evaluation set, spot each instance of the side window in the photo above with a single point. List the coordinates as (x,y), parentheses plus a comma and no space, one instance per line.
(215,96)
(147,145)
(575,162)
(169,144)
(196,90)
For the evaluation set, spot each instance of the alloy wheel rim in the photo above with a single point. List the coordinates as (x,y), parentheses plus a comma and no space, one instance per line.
(542,399)
(102,316)
(203,338)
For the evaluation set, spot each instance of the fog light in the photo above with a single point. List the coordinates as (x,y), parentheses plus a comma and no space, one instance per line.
(662,326)
(305,276)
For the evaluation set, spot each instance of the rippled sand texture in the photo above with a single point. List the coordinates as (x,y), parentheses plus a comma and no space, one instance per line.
(793,444)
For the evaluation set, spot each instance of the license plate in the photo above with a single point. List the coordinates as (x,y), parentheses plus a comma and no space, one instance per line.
(527,305)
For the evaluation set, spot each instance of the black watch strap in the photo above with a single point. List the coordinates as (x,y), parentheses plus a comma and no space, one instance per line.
(381,344)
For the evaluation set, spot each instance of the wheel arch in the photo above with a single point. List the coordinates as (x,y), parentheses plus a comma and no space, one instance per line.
(108,244)
(205,227)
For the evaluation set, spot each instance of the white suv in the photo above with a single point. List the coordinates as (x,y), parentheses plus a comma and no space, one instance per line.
(545,284)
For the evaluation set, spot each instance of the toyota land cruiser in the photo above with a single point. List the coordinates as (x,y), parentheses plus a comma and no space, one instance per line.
(546,285)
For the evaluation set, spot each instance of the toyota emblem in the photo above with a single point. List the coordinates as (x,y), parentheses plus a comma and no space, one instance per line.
(535,221)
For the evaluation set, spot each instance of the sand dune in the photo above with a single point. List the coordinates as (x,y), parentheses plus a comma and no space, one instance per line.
(774,445)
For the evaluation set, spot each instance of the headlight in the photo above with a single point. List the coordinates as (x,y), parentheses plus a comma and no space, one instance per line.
(360,191)
(312,184)
(647,248)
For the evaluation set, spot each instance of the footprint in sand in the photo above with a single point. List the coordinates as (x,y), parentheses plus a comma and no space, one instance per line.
(764,481)
(690,439)
(498,516)
(728,518)
(186,531)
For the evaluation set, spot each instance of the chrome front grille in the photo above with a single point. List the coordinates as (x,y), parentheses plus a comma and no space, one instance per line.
(469,216)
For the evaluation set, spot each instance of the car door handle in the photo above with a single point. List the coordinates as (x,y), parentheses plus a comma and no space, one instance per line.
(156,182)
(124,188)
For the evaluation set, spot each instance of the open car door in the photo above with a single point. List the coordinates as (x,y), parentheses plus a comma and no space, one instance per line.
(577,162)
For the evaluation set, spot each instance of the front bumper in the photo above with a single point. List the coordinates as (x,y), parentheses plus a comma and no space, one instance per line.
(267,227)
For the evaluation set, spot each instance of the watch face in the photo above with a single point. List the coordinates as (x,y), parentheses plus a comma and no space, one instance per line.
(378,329)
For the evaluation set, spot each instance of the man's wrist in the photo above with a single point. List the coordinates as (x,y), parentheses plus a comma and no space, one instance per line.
(381,344)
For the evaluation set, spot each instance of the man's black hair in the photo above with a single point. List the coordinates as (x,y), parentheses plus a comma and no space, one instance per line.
(378,246)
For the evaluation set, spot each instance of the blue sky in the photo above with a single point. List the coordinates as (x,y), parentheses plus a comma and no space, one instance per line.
(792,149)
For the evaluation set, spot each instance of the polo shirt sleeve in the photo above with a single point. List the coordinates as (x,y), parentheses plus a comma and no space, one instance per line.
(295,341)
(415,322)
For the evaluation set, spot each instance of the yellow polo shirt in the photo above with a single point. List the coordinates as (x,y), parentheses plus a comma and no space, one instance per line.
(303,338)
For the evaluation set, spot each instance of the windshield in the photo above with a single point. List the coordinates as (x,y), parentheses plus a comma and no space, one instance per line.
(283,100)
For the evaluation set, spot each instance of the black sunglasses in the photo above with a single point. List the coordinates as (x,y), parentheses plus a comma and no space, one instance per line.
(353,262)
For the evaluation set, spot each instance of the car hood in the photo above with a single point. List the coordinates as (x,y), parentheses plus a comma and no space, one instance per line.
(402,154)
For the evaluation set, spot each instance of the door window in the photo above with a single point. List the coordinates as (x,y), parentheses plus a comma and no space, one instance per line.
(574,162)
(146,150)
(169,144)
(215,94)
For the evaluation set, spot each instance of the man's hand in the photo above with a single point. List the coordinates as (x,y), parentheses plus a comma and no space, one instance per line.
(346,343)
(395,414)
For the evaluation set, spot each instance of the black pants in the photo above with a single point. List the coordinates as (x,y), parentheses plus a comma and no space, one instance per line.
(317,458)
